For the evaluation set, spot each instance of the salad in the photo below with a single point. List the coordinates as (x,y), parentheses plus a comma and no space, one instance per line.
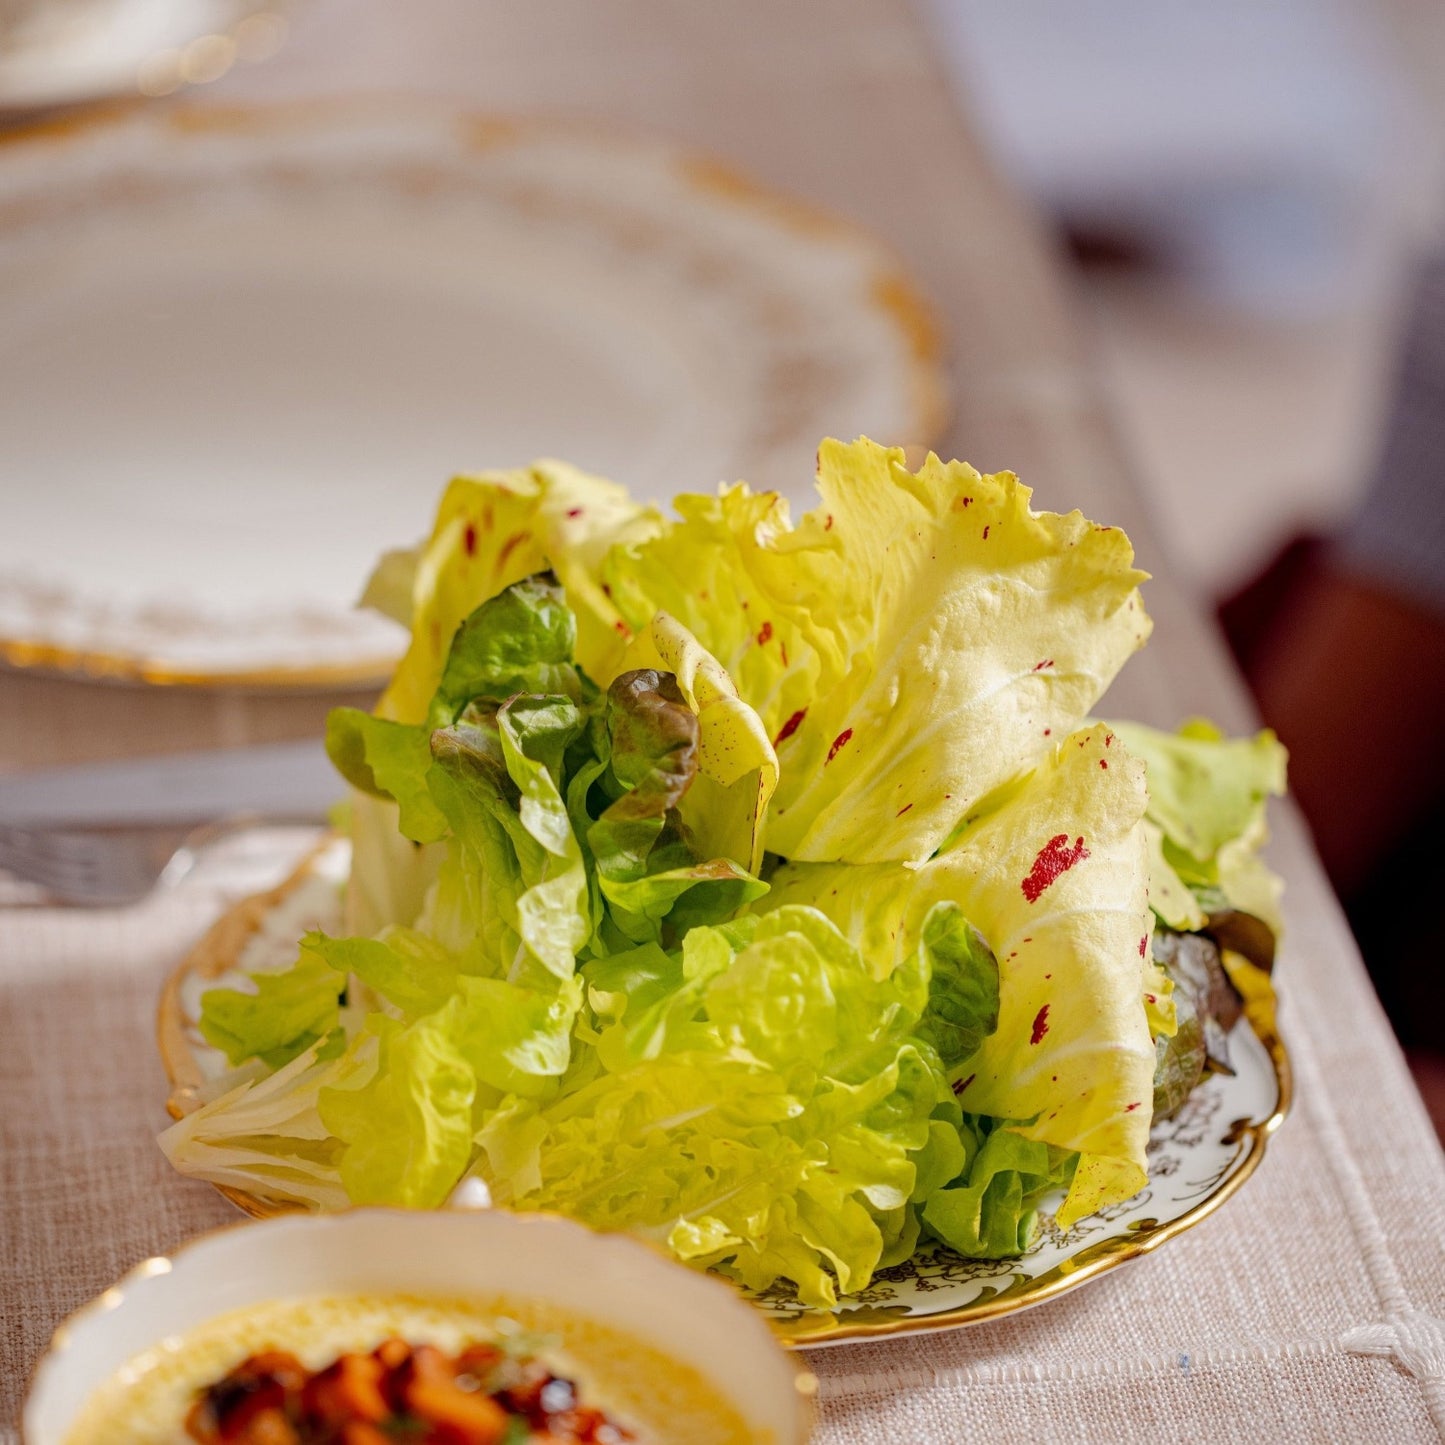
(767,889)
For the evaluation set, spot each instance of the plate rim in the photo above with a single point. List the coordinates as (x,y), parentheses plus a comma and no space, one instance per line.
(894,295)
(218,948)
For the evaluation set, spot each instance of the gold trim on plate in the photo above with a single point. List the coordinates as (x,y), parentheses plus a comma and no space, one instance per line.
(96,665)
(218,950)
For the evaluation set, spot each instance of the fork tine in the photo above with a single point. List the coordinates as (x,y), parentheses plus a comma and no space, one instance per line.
(19,858)
(7,852)
(53,861)
(87,867)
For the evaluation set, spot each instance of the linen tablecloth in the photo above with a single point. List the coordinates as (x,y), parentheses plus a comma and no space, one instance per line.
(1309,1308)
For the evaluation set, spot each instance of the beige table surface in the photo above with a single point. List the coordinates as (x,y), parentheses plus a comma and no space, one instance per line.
(1309,1309)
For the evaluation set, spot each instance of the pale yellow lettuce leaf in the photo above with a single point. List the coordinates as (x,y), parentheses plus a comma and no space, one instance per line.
(737,773)
(1208,796)
(1054,877)
(759,594)
(1206,790)
(1159,1006)
(492,530)
(914,642)
(1247,881)
(390,875)
(1172,898)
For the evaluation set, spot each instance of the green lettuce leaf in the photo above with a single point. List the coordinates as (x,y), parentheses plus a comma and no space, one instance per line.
(646,857)
(963,989)
(518,1039)
(989,1212)
(282,1016)
(726,807)
(406,1130)
(499,782)
(760,1107)
(651,763)
(412,972)
(1206,790)
(387,760)
(1207,797)
(1175,904)
(521,640)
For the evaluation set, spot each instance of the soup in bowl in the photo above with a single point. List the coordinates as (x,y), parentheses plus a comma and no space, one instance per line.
(457,1328)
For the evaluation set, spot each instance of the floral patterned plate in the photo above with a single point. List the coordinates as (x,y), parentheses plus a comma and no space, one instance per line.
(1197,1159)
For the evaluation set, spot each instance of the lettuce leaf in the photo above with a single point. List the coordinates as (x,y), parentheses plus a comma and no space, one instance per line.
(963,988)
(406,1129)
(1207,797)
(518,1039)
(520,640)
(281,1016)
(651,762)
(989,1212)
(407,969)
(762,1107)
(494,529)
(260,1131)
(499,782)
(911,645)
(1052,873)
(727,805)
(1173,901)
(391,874)
(387,760)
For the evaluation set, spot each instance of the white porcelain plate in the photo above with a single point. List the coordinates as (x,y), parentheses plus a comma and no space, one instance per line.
(62,52)
(1197,1159)
(242,353)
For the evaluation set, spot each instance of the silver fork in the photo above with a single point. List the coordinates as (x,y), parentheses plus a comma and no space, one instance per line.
(108,833)
(107,867)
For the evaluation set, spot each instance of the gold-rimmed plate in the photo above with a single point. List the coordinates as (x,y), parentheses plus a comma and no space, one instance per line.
(239,347)
(1197,1160)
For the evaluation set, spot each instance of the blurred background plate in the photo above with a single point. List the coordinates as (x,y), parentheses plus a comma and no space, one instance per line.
(61,52)
(243,351)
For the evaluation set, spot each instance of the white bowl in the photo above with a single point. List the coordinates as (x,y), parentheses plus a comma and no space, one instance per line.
(612,1279)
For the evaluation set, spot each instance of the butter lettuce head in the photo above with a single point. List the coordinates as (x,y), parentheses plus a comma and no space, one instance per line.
(760,888)
(910,645)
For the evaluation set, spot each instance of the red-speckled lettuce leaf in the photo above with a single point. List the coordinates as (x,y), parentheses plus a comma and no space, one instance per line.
(912,644)
(1053,874)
